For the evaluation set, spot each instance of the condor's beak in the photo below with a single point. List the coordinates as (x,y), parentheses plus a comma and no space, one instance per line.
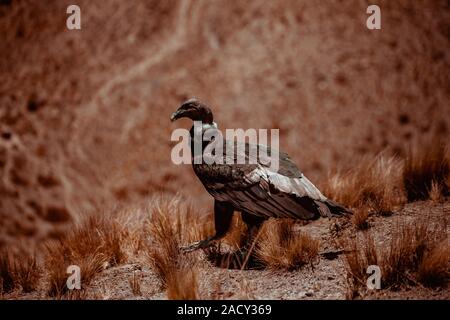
(176,115)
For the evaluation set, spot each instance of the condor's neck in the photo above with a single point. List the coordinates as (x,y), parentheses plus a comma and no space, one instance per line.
(196,134)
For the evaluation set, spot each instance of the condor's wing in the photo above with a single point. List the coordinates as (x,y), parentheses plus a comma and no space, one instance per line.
(257,188)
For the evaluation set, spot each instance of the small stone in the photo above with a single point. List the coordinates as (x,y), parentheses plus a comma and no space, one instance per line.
(309,294)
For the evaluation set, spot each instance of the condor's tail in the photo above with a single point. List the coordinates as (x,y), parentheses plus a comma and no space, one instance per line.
(330,208)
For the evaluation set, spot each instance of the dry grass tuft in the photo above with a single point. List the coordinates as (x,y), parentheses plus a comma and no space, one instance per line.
(372,183)
(172,224)
(426,164)
(111,248)
(281,248)
(6,273)
(18,271)
(417,252)
(434,269)
(27,273)
(436,192)
(358,258)
(412,246)
(360,217)
(92,245)
(164,251)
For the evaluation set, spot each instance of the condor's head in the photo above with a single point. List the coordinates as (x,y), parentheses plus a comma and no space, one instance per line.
(194,110)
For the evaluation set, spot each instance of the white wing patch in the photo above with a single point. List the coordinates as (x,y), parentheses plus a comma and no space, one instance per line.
(301,186)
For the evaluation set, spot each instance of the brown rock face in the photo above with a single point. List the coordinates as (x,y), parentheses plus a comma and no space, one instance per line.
(84,114)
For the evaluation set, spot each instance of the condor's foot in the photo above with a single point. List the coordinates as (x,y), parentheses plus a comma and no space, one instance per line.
(198,245)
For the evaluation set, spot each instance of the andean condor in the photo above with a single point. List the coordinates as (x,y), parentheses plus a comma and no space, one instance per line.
(253,188)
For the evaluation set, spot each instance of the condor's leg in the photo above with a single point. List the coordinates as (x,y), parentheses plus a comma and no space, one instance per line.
(223,214)
(253,223)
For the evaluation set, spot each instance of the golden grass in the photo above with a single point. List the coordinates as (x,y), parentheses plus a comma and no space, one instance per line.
(164,252)
(27,273)
(382,183)
(92,245)
(7,282)
(281,248)
(173,224)
(436,192)
(360,218)
(374,183)
(358,256)
(434,269)
(417,252)
(23,272)
(426,164)
(410,248)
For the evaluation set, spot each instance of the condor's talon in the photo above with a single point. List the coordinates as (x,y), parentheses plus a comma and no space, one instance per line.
(197,245)
(189,248)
